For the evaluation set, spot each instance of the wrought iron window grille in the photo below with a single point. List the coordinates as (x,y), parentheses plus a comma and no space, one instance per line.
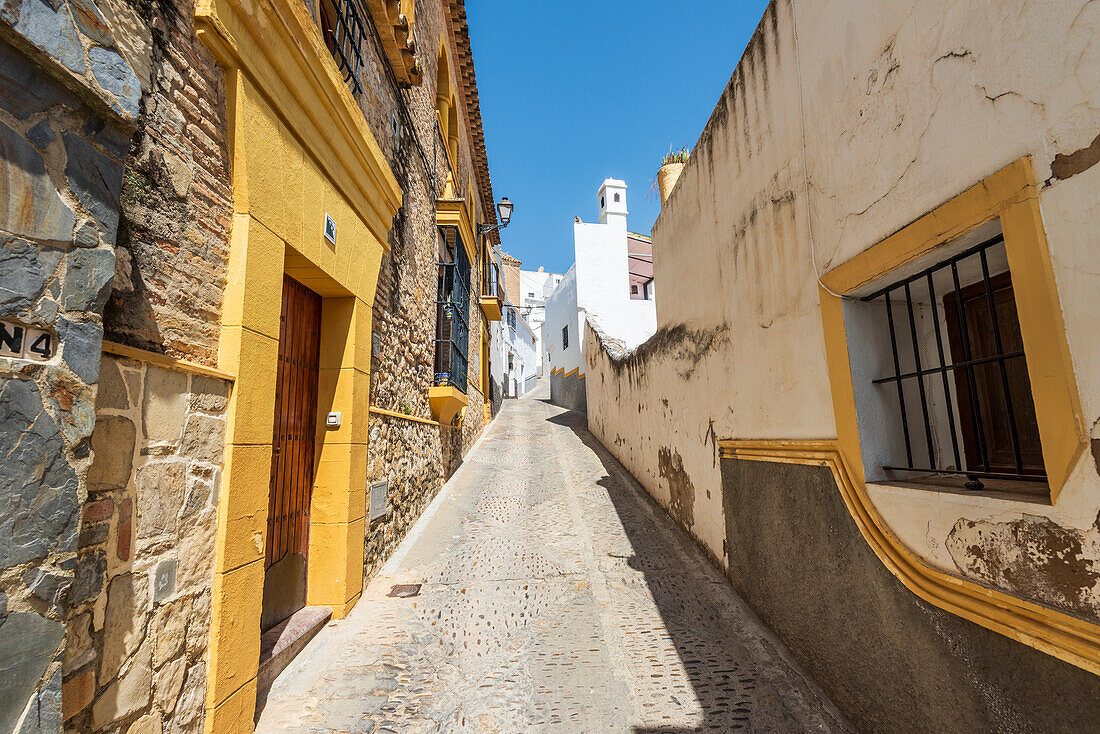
(977,388)
(344,35)
(452,330)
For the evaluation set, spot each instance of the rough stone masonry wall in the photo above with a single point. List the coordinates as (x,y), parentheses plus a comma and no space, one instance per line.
(67,102)
(139,612)
(415,457)
(173,242)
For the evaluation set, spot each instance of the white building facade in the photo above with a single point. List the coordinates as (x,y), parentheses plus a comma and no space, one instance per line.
(598,288)
(513,354)
(535,287)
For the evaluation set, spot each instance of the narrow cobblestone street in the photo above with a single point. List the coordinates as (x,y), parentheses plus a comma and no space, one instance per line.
(555,594)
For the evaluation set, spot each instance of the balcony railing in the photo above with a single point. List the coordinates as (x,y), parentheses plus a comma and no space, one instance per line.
(344,35)
(452,330)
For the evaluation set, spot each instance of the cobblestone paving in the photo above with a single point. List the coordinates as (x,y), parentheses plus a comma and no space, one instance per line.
(555,596)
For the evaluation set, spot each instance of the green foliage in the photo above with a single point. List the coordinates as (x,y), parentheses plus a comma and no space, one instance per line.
(675,156)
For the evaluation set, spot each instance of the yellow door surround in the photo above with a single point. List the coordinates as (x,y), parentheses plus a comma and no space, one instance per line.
(301,151)
(1011,195)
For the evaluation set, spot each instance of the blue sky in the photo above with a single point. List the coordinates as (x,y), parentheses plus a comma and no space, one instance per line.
(572,93)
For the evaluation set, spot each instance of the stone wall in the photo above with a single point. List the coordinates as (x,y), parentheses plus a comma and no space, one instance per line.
(173,242)
(139,613)
(67,103)
(416,457)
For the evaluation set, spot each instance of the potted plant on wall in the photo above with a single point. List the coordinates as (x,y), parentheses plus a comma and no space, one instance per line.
(672,165)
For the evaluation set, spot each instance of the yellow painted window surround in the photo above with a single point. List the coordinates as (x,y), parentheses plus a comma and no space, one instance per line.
(1010,195)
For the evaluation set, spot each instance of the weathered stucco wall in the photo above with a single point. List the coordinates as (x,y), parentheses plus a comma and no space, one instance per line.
(138,619)
(906,106)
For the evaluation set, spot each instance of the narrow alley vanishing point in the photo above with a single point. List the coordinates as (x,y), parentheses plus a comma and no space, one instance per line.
(553,592)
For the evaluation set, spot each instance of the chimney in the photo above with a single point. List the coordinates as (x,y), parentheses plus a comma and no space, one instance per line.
(612,201)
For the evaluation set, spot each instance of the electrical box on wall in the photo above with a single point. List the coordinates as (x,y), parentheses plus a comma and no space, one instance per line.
(379,500)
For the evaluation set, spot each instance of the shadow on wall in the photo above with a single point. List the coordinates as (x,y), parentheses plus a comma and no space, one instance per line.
(890,661)
(715,636)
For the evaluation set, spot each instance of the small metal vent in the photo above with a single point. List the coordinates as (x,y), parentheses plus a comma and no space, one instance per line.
(379,500)
(403,591)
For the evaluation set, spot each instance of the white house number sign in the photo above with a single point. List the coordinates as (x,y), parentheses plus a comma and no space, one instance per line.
(23,342)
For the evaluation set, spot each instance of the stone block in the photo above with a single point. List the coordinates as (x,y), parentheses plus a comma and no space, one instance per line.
(28,644)
(93,535)
(51,29)
(123,623)
(44,713)
(88,578)
(125,530)
(200,491)
(96,180)
(98,511)
(32,207)
(115,75)
(77,693)
(91,22)
(88,273)
(111,393)
(45,585)
(160,488)
(40,510)
(168,683)
(209,394)
(27,268)
(169,630)
(204,439)
(190,703)
(81,347)
(128,694)
(151,723)
(79,648)
(25,89)
(113,454)
(165,405)
(73,402)
(41,135)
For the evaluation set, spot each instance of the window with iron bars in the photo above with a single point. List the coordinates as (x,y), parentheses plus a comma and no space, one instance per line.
(452,331)
(949,388)
(343,31)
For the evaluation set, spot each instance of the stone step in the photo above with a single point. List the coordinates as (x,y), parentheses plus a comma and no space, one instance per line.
(282,643)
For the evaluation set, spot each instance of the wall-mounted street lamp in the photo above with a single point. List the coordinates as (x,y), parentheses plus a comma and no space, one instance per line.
(504,214)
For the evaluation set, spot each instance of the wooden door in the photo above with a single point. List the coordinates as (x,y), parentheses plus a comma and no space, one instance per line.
(295,423)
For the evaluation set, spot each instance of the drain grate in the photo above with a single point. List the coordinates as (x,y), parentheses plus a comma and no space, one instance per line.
(403,591)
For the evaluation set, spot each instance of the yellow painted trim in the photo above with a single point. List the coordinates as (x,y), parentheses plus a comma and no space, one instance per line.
(278,45)
(575,371)
(402,416)
(446,401)
(1012,195)
(1061,635)
(163,360)
(452,213)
